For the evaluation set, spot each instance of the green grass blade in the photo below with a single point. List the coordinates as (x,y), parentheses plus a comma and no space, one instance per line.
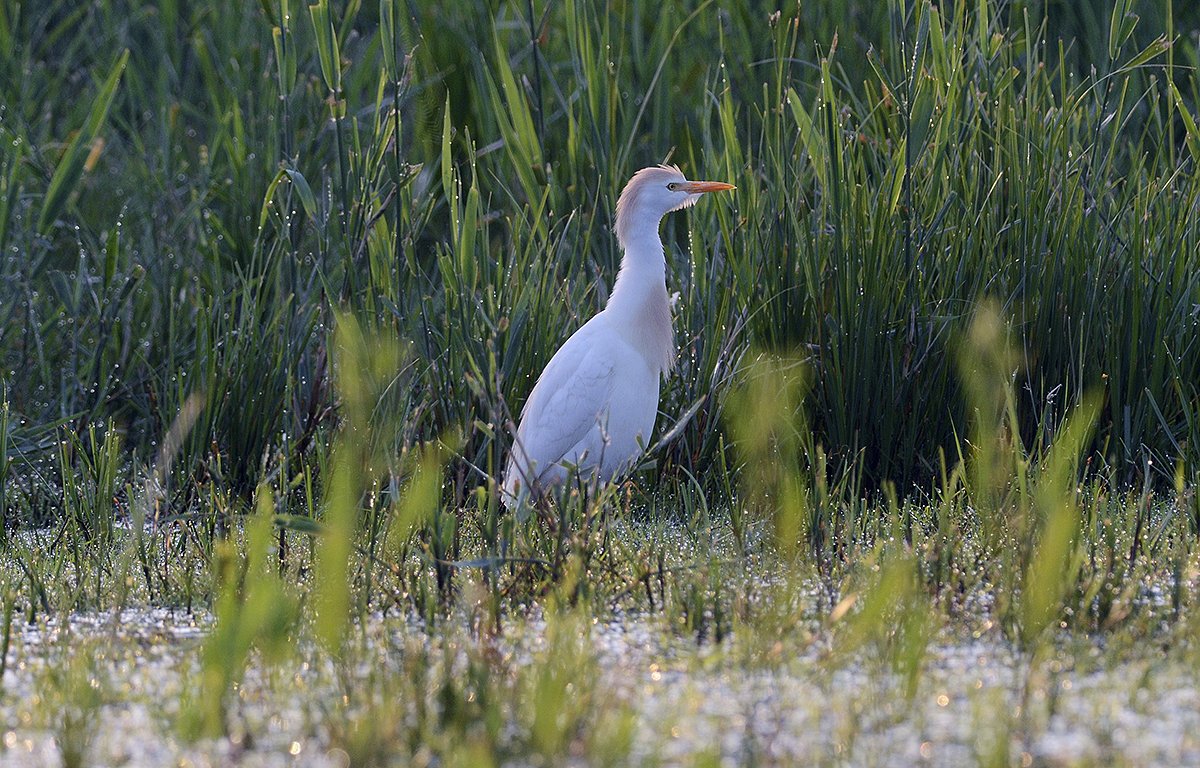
(70,167)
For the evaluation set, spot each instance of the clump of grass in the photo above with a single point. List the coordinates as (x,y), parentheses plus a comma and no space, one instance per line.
(254,611)
(72,689)
(1027,504)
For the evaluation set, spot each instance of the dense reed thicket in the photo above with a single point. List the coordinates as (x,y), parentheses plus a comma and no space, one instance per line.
(190,193)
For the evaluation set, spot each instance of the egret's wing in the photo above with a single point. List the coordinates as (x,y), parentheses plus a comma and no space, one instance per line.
(567,401)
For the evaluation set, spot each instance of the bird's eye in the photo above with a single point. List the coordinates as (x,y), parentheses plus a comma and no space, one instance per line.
(673,186)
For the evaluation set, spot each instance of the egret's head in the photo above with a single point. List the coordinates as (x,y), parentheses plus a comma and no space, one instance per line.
(653,193)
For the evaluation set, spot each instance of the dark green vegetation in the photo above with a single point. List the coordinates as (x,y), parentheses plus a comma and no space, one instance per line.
(274,277)
(181,221)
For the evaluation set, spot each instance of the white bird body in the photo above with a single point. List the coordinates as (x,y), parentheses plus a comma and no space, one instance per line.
(594,406)
(574,422)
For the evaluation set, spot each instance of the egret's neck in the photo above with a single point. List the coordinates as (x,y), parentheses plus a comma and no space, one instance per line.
(643,275)
(639,301)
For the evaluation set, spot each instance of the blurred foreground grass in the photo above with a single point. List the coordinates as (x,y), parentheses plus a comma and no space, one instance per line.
(275,277)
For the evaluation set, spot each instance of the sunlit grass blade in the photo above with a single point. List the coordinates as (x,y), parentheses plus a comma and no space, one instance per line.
(70,167)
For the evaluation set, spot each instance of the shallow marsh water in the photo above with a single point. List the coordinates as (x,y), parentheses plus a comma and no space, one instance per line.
(674,701)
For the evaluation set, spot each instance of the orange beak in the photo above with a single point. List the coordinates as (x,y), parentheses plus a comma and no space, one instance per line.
(696,187)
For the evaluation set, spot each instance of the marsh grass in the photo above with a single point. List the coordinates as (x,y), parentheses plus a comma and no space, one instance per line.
(72,689)
(276,278)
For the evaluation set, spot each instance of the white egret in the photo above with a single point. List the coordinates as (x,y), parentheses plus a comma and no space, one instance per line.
(595,404)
